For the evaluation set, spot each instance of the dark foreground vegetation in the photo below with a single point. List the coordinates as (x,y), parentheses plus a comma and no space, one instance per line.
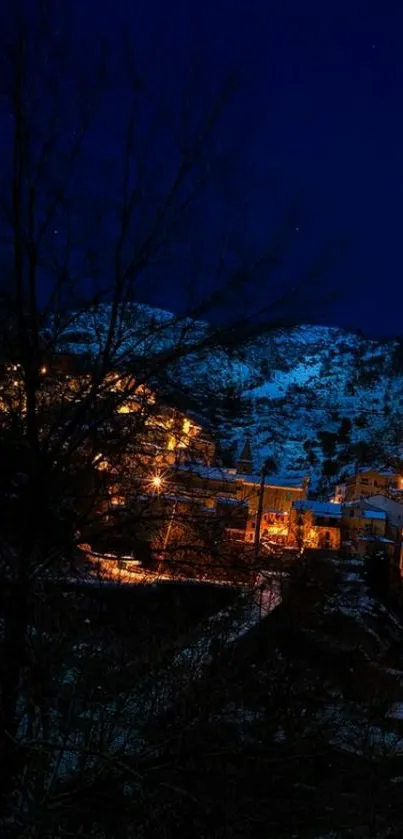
(138,728)
(289,733)
(156,714)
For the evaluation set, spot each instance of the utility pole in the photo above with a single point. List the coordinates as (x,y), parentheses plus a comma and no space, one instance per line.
(259,517)
(169,528)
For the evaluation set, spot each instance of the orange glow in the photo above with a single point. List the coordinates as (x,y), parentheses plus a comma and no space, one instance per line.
(99,463)
(156,482)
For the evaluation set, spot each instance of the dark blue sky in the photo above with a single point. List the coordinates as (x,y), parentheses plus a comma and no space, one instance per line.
(319,114)
(322,109)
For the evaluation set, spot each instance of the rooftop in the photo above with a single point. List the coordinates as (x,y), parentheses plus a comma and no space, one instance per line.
(210,473)
(374,514)
(321,508)
(386,473)
(280,481)
(237,502)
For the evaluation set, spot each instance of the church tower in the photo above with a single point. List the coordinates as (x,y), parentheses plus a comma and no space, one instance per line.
(245,462)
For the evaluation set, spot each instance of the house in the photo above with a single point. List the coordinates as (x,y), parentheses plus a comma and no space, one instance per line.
(364,546)
(392,508)
(339,495)
(236,496)
(269,497)
(279,493)
(360,519)
(315,524)
(232,515)
(394,522)
(209,482)
(189,438)
(364,529)
(372,482)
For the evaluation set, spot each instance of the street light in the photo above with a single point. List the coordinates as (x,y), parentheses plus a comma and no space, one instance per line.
(156,482)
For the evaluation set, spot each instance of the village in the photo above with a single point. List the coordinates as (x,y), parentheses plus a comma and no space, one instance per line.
(174,507)
(156,495)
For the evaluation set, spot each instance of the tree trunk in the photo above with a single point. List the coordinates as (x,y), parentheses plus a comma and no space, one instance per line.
(15,623)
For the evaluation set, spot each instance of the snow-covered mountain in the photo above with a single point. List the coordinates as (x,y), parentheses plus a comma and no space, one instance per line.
(315,398)
(328,399)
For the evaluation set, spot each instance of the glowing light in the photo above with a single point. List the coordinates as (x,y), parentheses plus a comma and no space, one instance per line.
(118,501)
(156,482)
(99,463)
(44,370)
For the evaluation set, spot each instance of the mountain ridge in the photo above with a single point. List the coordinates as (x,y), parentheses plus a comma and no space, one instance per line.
(308,396)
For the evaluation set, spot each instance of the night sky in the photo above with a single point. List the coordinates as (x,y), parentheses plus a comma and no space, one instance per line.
(319,115)
(323,111)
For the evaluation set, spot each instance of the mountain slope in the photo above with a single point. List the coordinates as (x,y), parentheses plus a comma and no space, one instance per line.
(314,398)
(329,393)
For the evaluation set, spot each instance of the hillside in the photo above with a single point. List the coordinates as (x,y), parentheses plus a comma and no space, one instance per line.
(317,399)
(294,730)
(328,399)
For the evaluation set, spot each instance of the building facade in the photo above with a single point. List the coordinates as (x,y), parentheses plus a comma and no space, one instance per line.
(371,482)
(279,494)
(315,524)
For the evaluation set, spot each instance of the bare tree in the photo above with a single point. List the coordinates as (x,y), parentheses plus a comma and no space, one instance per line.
(78,354)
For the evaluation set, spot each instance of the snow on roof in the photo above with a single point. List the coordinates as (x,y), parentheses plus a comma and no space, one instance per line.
(393,509)
(281,481)
(374,514)
(386,473)
(235,501)
(379,470)
(171,497)
(321,508)
(366,505)
(212,473)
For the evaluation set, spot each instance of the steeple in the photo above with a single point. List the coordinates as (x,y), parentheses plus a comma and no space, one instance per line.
(245,463)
